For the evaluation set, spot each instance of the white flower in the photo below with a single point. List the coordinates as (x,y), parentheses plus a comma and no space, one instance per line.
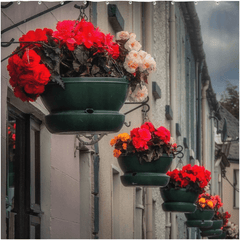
(132,35)
(130,64)
(139,94)
(132,44)
(123,35)
(142,54)
(148,64)
(172,140)
(134,55)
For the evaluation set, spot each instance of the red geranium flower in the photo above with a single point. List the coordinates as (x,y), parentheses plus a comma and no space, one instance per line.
(144,134)
(30,59)
(149,126)
(164,134)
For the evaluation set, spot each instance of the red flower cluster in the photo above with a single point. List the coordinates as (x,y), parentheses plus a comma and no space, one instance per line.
(146,139)
(190,174)
(38,35)
(224,216)
(207,201)
(73,33)
(28,76)
(163,134)
(147,135)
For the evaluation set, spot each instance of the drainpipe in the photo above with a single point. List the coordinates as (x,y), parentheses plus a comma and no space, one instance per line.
(213,156)
(204,123)
(199,137)
(148,43)
(173,96)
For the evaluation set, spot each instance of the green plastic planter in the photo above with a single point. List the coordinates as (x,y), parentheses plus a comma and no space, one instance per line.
(214,230)
(200,218)
(151,174)
(222,236)
(86,105)
(178,200)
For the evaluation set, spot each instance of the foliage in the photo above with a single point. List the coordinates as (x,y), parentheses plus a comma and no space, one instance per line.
(193,178)
(147,142)
(76,49)
(230,100)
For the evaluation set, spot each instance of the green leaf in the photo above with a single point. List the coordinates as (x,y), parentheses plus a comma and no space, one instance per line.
(76,66)
(81,54)
(57,79)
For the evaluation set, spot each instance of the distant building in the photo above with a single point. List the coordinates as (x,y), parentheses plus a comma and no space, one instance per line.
(229,180)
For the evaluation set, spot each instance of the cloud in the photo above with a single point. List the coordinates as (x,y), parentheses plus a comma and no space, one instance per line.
(220,33)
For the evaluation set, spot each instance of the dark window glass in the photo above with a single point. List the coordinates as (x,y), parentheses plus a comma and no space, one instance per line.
(23,209)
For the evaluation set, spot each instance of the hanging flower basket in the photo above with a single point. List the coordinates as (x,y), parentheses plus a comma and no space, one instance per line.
(200,218)
(178,200)
(183,189)
(85,105)
(144,156)
(215,230)
(206,207)
(145,173)
(82,75)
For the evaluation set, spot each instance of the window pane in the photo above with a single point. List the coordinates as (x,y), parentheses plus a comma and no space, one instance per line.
(11,162)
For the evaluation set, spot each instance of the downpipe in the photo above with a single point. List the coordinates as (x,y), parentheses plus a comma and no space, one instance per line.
(172,97)
(204,123)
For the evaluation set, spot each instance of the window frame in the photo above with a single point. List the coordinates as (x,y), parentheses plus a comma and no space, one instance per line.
(27,213)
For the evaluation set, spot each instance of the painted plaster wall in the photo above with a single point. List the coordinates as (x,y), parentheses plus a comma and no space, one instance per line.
(107,160)
(161,76)
(228,194)
(185,108)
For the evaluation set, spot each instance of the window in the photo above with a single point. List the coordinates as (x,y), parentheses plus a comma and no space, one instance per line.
(236,185)
(23,175)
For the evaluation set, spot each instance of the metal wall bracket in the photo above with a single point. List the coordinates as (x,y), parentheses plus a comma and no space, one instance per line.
(141,104)
(179,155)
(93,139)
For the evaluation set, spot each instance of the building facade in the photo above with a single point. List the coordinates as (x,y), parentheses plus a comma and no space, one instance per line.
(52,190)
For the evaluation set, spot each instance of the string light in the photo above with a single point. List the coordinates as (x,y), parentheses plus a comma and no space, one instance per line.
(18,2)
(61,2)
(217,3)
(39,2)
(107,3)
(85,2)
(172,3)
(196,3)
(130,2)
(154,3)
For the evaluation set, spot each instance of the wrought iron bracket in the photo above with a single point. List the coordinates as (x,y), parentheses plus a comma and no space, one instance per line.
(6,5)
(141,104)
(179,153)
(7,44)
(93,139)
